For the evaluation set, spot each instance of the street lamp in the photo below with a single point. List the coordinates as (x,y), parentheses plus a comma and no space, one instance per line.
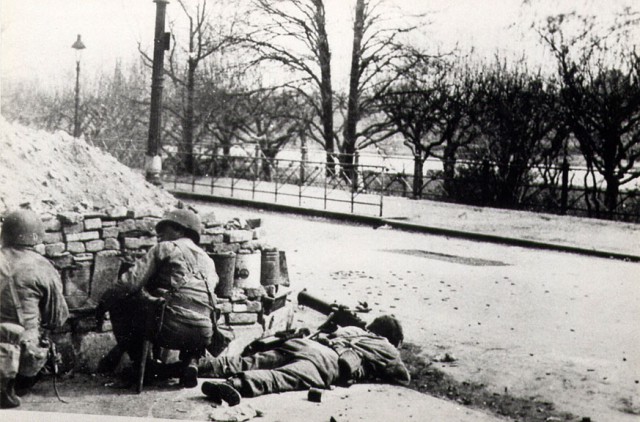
(78,46)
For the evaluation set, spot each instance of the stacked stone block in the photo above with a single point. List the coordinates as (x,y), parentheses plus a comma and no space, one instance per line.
(89,249)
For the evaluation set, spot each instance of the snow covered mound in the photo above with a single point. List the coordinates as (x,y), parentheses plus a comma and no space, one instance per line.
(56,172)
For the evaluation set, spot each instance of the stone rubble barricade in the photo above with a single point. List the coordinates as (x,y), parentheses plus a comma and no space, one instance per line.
(88,248)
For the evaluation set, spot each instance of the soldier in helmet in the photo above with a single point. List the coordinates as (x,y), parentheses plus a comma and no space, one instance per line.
(184,277)
(344,356)
(30,300)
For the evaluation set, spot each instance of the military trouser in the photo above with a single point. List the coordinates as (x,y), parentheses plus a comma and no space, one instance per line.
(129,331)
(297,366)
(22,355)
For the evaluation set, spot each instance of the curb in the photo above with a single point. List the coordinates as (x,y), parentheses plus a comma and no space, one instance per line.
(411,227)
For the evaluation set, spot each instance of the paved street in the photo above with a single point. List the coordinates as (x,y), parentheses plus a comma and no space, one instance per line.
(552,325)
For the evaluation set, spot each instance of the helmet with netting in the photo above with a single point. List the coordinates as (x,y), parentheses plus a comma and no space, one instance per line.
(388,327)
(184,218)
(22,228)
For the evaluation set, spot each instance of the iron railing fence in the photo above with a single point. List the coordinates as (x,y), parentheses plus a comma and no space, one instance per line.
(284,181)
(554,188)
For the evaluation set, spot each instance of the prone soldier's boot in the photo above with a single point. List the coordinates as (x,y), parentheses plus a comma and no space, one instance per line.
(219,391)
(8,397)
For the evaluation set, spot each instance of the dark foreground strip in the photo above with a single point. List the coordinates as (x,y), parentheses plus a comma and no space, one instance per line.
(378,222)
(427,379)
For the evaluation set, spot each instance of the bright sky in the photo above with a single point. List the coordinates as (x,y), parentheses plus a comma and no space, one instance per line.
(37,34)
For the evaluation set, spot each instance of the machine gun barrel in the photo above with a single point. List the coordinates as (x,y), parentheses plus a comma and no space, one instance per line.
(339,314)
(319,305)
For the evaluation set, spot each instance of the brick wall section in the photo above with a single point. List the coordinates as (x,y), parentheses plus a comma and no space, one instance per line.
(88,249)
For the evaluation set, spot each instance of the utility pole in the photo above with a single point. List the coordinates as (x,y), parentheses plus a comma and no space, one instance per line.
(153,160)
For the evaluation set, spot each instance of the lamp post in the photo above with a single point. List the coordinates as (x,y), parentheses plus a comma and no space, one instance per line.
(78,46)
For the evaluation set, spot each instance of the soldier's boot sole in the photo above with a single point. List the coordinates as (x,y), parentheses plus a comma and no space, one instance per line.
(218,391)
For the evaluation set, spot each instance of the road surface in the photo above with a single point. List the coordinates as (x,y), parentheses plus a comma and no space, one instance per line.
(555,326)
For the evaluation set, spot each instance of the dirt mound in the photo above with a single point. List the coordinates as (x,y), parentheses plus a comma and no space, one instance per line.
(55,172)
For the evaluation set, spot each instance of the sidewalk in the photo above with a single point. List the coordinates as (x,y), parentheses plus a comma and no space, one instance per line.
(521,228)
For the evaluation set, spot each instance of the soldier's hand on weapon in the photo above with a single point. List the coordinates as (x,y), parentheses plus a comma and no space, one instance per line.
(330,324)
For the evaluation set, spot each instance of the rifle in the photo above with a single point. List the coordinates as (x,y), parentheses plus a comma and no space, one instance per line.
(337,314)
(271,342)
(52,359)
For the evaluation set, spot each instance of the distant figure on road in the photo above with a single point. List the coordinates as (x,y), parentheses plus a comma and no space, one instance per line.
(30,300)
(178,273)
(344,356)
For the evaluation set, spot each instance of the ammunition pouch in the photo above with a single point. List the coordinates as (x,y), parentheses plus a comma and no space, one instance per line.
(10,336)
(34,353)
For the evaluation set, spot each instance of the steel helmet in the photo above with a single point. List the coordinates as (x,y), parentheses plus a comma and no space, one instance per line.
(22,228)
(388,327)
(187,219)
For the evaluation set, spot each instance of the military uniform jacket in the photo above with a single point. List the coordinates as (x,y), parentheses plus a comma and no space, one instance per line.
(38,287)
(180,271)
(380,358)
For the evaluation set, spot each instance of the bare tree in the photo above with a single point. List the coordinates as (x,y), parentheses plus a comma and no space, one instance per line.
(208,35)
(275,118)
(376,52)
(414,104)
(518,119)
(457,124)
(600,74)
(109,112)
(295,36)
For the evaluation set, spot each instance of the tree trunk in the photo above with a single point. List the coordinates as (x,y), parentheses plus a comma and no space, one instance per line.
(353,112)
(611,194)
(268,163)
(417,175)
(326,90)
(449,168)
(348,167)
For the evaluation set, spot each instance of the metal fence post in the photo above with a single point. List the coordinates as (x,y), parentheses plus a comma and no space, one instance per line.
(212,170)
(193,176)
(256,171)
(564,195)
(381,190)
(354,179)
(233,176)
(275,174)
(303,157)
(325,188)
